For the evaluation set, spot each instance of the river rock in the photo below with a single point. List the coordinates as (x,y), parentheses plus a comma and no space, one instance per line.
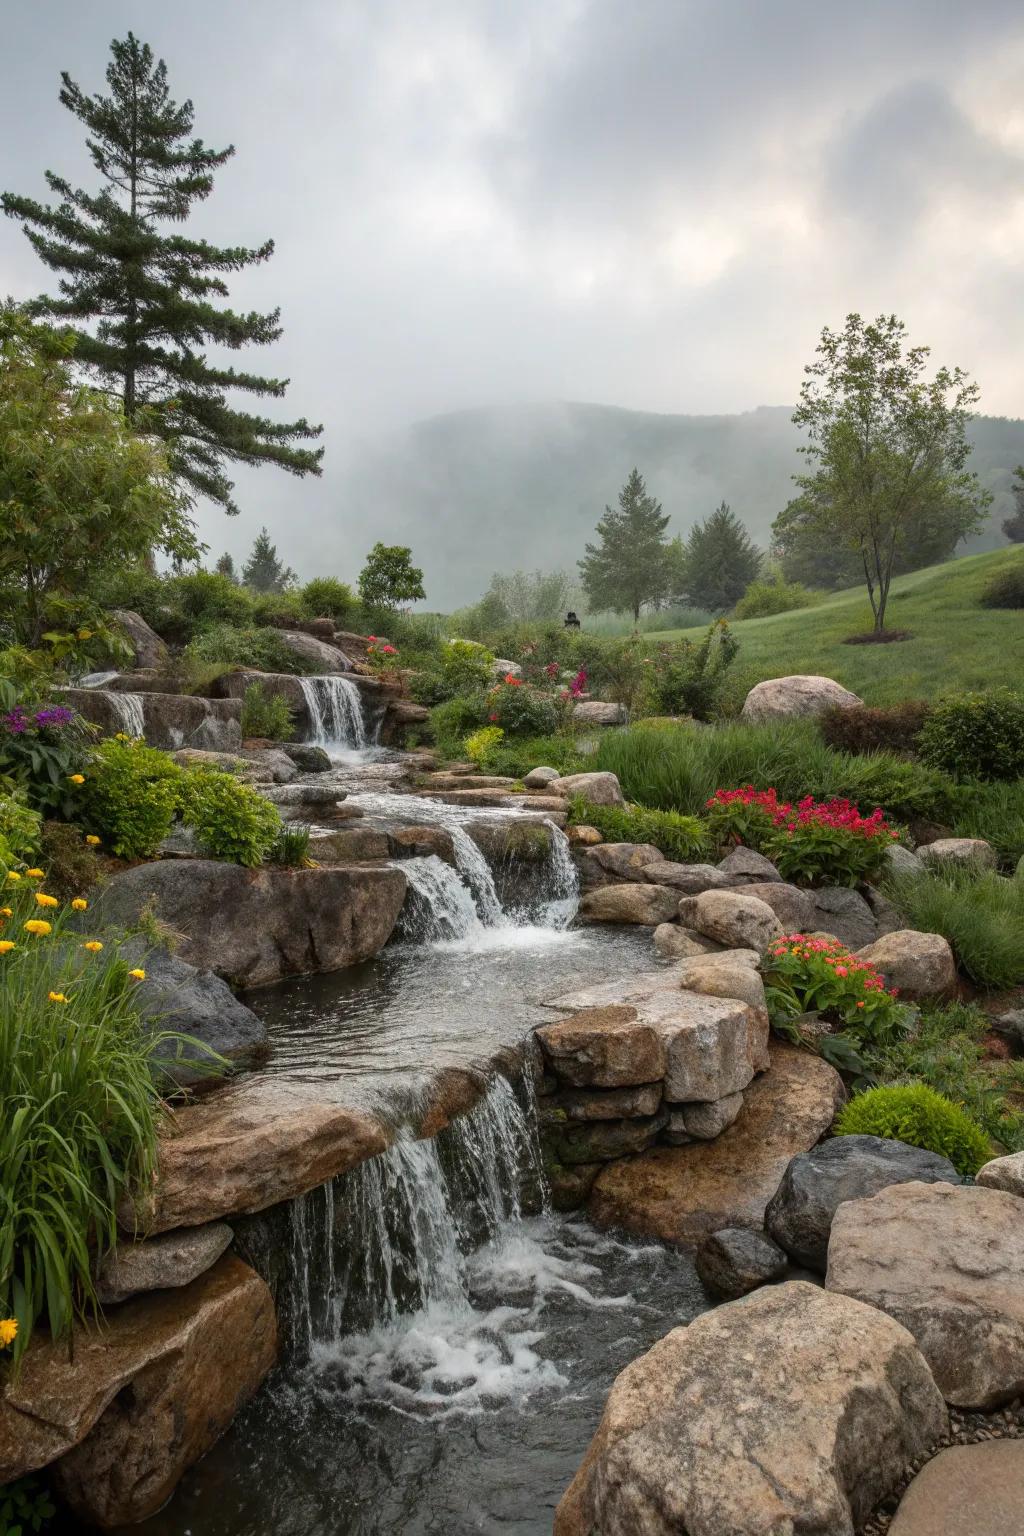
(687,879)
(644,904)
(1005,1173)
(681,1194)
(598,788)
(609,862)
(304,794)
(541,777)
(317,655)
(256,925)
(733,918)
(502,667)
(570,1184)
(597,712)
(160,1263)
(744,866)
(966,1490)
(586,837)
(677,943)
(733,973)
(786,698)
(604,1047)
(348,845)
(148,650)
(888,918)
(599,1141)
(735,1261)
(307,756)
(793,907)
(959,850)
(799,1215)
(782,1412)
(947,1262)
(918,964)
(702,1122)
(419,842)
(143,1397)
(602,1103)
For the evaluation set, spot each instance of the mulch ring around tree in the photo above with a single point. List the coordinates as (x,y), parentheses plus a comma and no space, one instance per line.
(879,637)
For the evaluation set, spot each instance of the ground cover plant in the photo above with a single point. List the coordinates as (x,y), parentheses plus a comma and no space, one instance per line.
(916,1114)
(680,838)
(811,842)
(980,912)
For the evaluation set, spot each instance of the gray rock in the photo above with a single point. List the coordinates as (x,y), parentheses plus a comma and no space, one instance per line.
(687,879)
(647,905)
(310,758)
(799,1215)
(901,861)
(598,788)
(1011,1023)
(160,1263)
(786,698)
(596,712)
(1003,1173)
(603,1141)
(959,850)
(304,794)
(674,942)
(148,650)
(887,917)
(610,862)
(793,907)
(317,654)
(744,864)
(539,778)
(920,965)
(502,667)
(845,913)
(170,720)
(732,918)
(732,973)
(735,1261)
(703,1122)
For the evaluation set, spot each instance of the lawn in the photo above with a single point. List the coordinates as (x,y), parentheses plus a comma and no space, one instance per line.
(955,642)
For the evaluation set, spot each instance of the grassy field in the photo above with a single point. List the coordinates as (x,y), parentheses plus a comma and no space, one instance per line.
(956,643)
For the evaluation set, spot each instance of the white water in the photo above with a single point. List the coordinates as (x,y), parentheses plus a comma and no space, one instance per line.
(128,708)
(335,708)
(446,908)
(96,679)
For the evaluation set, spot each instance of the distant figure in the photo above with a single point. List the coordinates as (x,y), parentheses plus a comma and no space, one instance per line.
(571,621)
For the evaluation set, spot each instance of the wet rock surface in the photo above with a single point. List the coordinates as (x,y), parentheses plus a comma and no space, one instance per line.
(160,1263)
(647,905)
(736,1261)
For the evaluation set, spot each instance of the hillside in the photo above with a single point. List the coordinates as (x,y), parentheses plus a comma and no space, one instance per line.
(956,643)
(478,491)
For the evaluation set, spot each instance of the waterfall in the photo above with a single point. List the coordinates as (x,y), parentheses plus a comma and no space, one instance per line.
(560,907)
(129,713)
(96,679)
(477,874)
(335,708)
(442,907)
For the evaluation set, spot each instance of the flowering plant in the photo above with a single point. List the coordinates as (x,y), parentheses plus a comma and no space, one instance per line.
(813,841)
(803,974)
(519,707)
(41,747)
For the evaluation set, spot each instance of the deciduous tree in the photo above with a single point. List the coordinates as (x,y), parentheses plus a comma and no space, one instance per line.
(389,577)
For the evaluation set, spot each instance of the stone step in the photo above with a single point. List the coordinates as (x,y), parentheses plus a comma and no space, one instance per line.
(468,781)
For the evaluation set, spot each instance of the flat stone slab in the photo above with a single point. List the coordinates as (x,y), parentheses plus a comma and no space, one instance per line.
(161,1263)
(966,1490)
(683,1194)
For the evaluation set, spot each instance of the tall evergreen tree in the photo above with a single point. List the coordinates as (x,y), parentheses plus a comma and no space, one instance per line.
(150,292)
(263,571)
(226,567)
(720,560)
(630,566)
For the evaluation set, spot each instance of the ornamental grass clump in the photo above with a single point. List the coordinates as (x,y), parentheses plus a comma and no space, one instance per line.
(814,843)
(916,1114)
(979,912)
(679,838)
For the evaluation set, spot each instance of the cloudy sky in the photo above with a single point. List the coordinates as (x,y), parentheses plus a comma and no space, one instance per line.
(648,203)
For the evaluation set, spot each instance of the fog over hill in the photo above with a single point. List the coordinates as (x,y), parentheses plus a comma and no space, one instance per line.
(522,487)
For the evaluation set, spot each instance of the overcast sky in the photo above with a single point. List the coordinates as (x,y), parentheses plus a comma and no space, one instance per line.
(648,203)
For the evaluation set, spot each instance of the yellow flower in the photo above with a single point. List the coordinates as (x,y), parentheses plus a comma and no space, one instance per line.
(36,925)
(85,634)
(6,911)
(57,997)
(93,841)
(12,874)
(122,736)
(138,974)
(93,945)
(8,1331)
(43,900)
(76,778)
(79,905)
(35,874)
(6,945)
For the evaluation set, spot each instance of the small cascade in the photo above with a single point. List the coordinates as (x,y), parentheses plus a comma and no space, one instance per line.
(476,871)
(96,679)
(564,887)
(442,907)
(335,708)
(129,713)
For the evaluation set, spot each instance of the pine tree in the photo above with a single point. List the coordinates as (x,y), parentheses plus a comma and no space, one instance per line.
(630,566)
(226,567)
(263,571)
(720,560)
(151,292)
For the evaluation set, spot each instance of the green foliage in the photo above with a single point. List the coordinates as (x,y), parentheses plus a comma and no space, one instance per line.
(720,561)
(291,846)
(263,571)
(226,567)
(460,667)
(266,715)
(766,597)
(130,797)
(1013,526)
(72,867)
(206,598)
(516,758)
(687,678)
(976,735)
(452,721)
(979,912)
(261,649)
(916,1114)
(680,838)
(481,747)
(522,598)
(150,289)
(895,729)
(628,567)
(25,1505)
(810,843)
(327,597)
(389,577)
(231,820)
(521,709)
(1006,588)
(20,832)
(41,747)
(994,812)
(805,975)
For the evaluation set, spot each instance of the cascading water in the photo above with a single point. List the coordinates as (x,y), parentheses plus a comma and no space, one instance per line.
(442,906)
(130,713)
(335,708)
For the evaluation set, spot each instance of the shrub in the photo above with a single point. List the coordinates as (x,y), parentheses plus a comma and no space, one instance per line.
(461,667)
(451,721)
(261,649)
(977,735)
(41,746)
(766,597)
(482,746)
(231,820)
(327,597)
(980,913)
(291,846)
(20,832)
(130,797)
(280,610)
(72,866)
(206,598)
(688,678)
(916,1114)
(803,974)
(895,729)
(521,709)
(678,837)
(266,714)
(815,843)
(518,757)
(1005,589)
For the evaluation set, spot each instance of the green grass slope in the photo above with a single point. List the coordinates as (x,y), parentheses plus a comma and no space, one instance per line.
(956,643)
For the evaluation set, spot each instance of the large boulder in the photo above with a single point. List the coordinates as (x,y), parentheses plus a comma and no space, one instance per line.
(160,1263)
(609,862)
(735,1261)
(971,851)
(845,914)
(793,907)
(785,698)
(966,1490)
(674,942)
(143,1397)
(732,918)
(799,1215)
(604,1047)
(148,650)
(598,788)
(169,720)
(644,904)
(597,712)
(744,866)
(317,655)
(733,973)
(540,777)
(681,1194)
(902,861)
(947,1262)
(1003,1173)
(256,925)
(918,964)
(783,1412)
(687,879)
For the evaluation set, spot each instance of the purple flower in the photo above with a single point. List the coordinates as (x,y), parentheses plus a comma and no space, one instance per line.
(59,715)
(16,721)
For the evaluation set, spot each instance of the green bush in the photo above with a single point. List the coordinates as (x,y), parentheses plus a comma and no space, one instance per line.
(518,757)
(1005,589)
(521,710)
(41,746)
(291,846)
(20,832)
(206,598)
(130,797)
(994,812)
(327,597)
(72,867)
(482,746)
(680,838)
(282,610)
(459,667)
(916,1114)
(452,721)
(687,678)
(977,735)
(980,913)
(25,1505)
(861,730)
(231,820)
(261,649)
(766,597)
(266,715)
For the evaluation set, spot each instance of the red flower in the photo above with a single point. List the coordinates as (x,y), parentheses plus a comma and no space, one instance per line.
(388,650)
(492,718)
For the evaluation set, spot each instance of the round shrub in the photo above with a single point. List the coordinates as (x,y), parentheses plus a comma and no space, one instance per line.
(895,729)
(765,597)
(1005,589)
(520,709)
(327,597)
(230,819)
(130,797)
(916,1114)
(976,735)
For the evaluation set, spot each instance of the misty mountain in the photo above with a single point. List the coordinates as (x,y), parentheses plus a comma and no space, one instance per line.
(483,490)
